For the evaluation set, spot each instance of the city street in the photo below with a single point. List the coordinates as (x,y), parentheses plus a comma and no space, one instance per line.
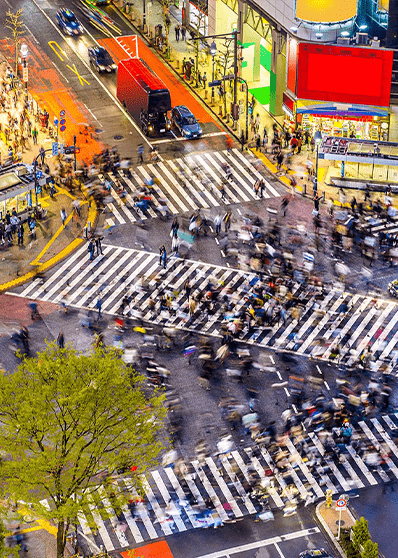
(266,315)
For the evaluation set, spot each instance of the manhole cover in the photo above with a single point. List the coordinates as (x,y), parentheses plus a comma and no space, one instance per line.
(341,522)
(118,137)
(98,131)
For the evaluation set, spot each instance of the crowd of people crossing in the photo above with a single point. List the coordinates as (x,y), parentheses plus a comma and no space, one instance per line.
(280,278)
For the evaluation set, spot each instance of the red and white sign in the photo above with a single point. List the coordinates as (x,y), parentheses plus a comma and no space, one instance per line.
(341,504)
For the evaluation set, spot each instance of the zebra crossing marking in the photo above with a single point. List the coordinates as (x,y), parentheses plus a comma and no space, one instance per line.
(115,524)
(374,440)
(100,524)
(209,481)
(119,271)
(186,193)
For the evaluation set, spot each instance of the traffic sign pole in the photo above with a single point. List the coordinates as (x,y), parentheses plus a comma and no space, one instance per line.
(341,505)
(62,124)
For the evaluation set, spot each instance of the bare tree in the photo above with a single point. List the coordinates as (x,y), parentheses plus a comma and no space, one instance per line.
(15,23)
(198,27)
(166,21)
(225,60)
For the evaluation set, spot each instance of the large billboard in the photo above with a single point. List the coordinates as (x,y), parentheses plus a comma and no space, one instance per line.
(326,11)
(344,74)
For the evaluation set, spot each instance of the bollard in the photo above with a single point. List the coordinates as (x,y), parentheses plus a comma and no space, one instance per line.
(205,93)
(85,233)
(323,195)
(177,64)
(304,189)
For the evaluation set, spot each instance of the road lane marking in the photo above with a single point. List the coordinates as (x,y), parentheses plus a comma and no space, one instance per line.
(169,140)
(80,78)
(57,50)
(259,544)
(114,99)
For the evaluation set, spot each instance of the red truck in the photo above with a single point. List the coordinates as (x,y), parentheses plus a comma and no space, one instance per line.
(144,95)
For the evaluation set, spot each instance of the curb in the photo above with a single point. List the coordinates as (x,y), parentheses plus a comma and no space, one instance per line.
(327,530)
(92,216)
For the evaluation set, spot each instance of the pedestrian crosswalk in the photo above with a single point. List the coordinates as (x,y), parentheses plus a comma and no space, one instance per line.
(172,495)
(375,225)
(330,322)
(187,184)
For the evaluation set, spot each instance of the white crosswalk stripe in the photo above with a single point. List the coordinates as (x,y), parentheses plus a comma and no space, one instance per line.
(339,320)
(168,508)
(185,192)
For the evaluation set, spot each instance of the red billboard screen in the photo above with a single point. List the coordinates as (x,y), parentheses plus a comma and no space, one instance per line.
(344,74)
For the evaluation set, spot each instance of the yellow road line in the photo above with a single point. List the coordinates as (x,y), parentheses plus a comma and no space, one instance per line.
(44,524)
(270,166)
(43,267)
(58,50)
(36,261)
(65,192)
(92,215)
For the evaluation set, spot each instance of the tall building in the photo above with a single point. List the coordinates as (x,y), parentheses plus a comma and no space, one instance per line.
(327,64)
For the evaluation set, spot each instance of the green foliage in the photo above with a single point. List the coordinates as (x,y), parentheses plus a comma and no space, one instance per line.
(64,417)
(370,550)
(2,539)
(360,533)
(347,545)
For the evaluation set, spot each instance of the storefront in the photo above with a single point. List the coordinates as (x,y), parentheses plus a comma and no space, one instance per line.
(369,123)
(17,190)
(343,91)
(364,160)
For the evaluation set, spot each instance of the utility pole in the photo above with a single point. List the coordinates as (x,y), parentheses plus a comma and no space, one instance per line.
(235,107)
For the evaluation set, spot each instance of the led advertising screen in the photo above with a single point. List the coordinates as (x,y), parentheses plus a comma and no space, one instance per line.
(292,64)
(326,11)
(344,74)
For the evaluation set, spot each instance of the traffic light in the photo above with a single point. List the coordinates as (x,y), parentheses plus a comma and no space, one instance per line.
(71,149)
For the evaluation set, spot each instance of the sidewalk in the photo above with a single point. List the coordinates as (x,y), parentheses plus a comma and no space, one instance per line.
(53,241)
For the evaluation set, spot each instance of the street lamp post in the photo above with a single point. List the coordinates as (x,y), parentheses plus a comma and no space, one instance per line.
(24,53)
(235,105)
(213,49)
(318,139)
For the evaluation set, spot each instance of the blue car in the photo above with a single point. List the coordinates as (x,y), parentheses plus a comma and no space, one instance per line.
(184,120)
(68,22)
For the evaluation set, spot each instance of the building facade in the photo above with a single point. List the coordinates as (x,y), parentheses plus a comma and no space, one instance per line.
(347,46)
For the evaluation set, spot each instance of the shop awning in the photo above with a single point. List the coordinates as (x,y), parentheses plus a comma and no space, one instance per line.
(332,109)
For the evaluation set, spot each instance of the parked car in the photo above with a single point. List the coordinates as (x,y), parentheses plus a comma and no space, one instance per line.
(320,553)
(101,59)
(185,122)
(68,22)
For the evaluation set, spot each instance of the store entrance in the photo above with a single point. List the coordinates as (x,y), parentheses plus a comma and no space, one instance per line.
(369,128)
